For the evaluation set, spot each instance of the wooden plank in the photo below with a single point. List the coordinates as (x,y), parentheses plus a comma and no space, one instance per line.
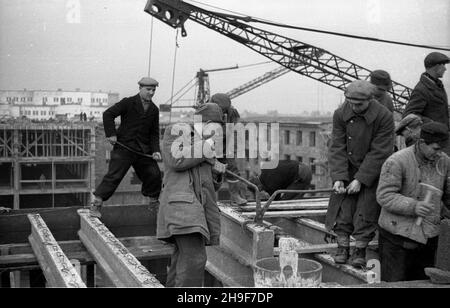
(121,267)
(322,248)
(123,220)
(302,213)
(143,248)
(58,270)
(278,207)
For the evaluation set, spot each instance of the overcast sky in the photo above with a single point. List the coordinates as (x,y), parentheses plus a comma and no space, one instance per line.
(104,44)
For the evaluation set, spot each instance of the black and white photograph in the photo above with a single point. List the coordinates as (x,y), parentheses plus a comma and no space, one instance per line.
(222,151)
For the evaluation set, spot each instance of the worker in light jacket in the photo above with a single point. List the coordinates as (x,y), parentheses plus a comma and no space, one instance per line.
(362,139)
(188,215)
(406,247)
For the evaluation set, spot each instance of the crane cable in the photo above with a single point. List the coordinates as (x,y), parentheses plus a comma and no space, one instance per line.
(173,72)
(247,18)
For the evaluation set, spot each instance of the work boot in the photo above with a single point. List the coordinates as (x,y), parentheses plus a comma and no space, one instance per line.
(235,197)
(358,258)
(341,255)
(96,204)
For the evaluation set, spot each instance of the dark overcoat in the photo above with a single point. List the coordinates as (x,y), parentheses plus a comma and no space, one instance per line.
(138,129)
(359,146)
(429,100)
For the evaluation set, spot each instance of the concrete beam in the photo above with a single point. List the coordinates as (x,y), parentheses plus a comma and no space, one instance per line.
(58,270)
(244,239)
(116,261)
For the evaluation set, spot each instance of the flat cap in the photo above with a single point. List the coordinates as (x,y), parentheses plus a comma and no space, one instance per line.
(381,78)
(222,100)
(435,58)
(359,90)
(434,132)
(210,112)
(147,81)
(411,120)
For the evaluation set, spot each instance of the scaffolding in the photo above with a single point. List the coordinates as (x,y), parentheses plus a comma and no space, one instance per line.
(46,164)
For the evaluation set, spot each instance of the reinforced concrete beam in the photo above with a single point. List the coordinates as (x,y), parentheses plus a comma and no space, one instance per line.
(121,267)
(286,214)
(244,239)
(55,265)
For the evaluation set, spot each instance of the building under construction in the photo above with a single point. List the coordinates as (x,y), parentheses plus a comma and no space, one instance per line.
(46,165)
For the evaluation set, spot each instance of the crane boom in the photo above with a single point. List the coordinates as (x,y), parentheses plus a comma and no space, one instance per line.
(303,58)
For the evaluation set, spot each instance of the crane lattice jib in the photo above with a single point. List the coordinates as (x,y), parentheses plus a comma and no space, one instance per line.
(302,58)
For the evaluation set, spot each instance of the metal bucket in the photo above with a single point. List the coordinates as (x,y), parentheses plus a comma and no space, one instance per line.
(267,273)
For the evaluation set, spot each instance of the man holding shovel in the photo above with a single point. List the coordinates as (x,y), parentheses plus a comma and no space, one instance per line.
(413,192)
(136,143)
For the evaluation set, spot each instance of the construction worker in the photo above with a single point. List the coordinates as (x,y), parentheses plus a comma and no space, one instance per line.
(405,246)
(231,115)
(429,99)
(382,82)
(362,139)
(409,128)
(188,215)
(289,174)
(138,133)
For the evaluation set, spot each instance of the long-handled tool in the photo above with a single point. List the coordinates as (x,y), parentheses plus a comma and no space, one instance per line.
(152,156)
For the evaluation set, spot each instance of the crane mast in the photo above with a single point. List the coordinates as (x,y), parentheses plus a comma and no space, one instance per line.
(303,58)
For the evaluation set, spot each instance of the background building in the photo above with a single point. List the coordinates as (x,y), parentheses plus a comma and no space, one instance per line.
(44,105)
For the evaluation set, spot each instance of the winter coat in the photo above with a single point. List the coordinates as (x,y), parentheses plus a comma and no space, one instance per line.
(188,200)
(429,100)
(138,129)
(359,146)
(399,191)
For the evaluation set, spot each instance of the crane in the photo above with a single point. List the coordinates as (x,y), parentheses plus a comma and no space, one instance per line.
(203,93)
(303,58)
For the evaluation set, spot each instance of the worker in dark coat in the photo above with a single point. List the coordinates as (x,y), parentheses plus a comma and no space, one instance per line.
(188,215)
(289,174)
(383,83)
(139,131)
(429,99)
(362,139)
(231,115)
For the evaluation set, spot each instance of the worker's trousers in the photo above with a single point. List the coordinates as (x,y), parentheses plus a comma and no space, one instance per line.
(358,216)
(188,261)
(403,259)
(146,169)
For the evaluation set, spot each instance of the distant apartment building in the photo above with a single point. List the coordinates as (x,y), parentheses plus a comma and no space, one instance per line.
(44,104)
(306,142)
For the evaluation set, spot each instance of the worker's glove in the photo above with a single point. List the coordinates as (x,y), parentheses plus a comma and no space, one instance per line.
(354,187)
(219,168)
(112,139)
(156,156)
(423,208)
(338,187)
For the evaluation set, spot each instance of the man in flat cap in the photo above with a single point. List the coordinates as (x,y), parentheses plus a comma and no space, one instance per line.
(231,115)
(429,99)
(406,244)
(362,139)
(188,215)
(409,128)
(382,82)
(135,141)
